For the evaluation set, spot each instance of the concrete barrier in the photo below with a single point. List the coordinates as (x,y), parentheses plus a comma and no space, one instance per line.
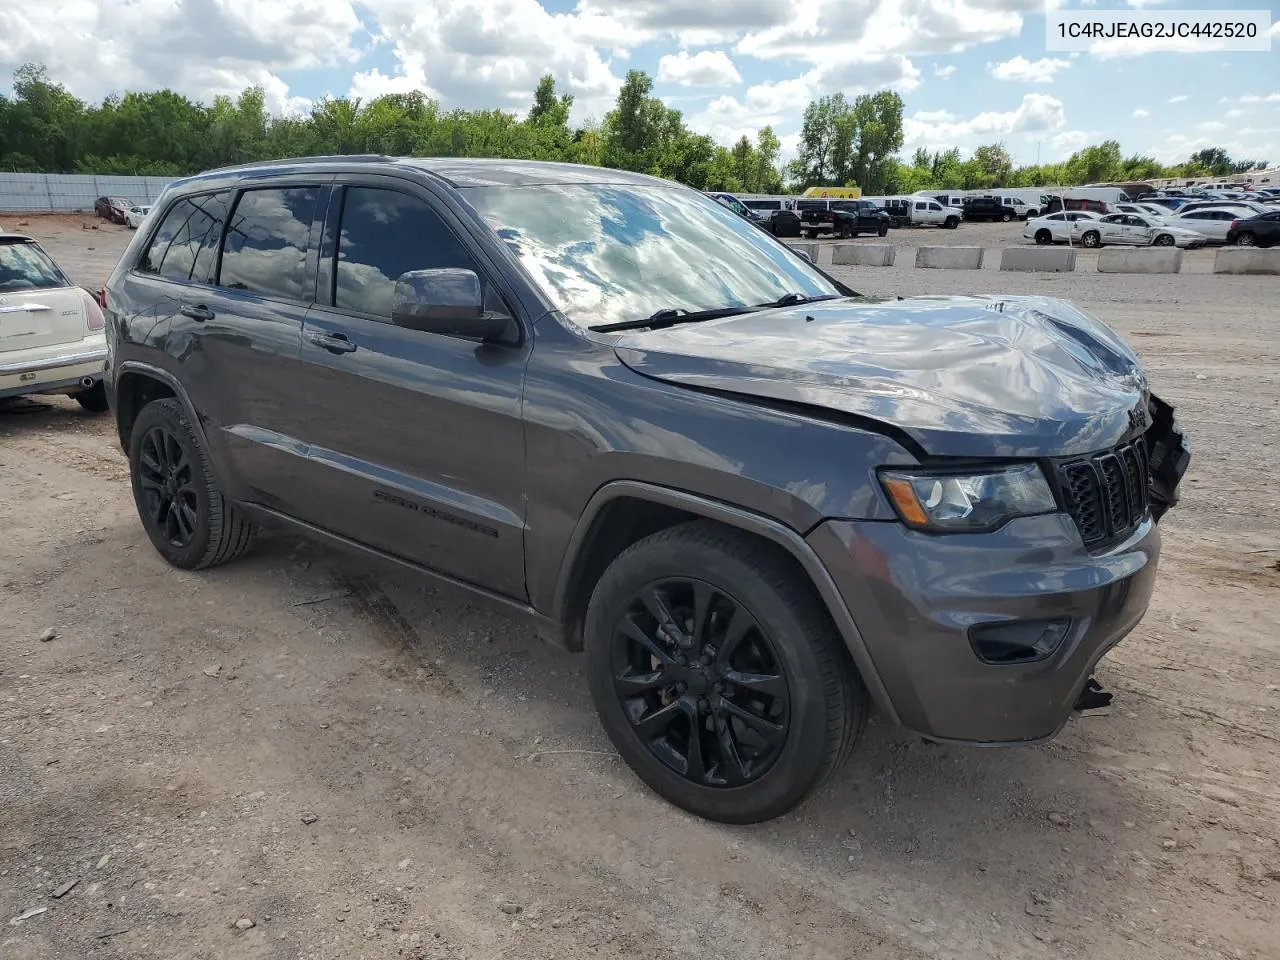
(1139,260)
(949,258)
(1038,259)
(863,254)
(810,248)
(1247,260)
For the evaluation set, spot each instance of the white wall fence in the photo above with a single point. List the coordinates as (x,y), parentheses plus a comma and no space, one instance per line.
(72,193)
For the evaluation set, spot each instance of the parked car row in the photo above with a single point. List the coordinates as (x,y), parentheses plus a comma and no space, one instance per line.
(1141,227)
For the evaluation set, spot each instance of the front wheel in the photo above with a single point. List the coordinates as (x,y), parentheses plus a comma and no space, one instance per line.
(845,231)
(952,223)
(189,521)
(718,675)
(1164,240)
(883,231)
(1091,239)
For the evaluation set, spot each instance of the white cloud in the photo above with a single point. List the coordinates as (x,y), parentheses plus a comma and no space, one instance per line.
(706,68)
(944,73)
(1022,70)
(1070,141)
(490,53)
(693,23)
(371,84)
(1234,113)
(822,31)
(1036,114)
(1264,98)
(200,50)
(1210,125)
(1180,98)
(1142,112)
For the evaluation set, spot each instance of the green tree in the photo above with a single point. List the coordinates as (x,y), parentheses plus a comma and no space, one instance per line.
(990,166)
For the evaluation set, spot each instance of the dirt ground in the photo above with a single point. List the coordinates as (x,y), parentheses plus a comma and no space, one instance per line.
(364,768)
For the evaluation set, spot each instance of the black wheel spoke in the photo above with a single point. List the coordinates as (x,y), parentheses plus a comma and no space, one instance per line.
(147,457)
(739,624)
(656,649)
(658,608)
(702,597)
(767,729)
(769,684)
(634,684)
(695,767)
(701,682)
(730,769)
(657,722)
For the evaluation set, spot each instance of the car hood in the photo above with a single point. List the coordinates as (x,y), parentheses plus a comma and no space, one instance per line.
(961,376)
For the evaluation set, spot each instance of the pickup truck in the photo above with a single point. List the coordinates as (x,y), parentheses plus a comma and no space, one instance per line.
(845,218)
(990,208)
(926,211)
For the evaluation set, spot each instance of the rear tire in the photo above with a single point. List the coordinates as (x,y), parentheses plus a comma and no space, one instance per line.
(1246,240)
(189,521)
(1044,238)
(734,752)
(1005,217)
(845,232)
(94,399)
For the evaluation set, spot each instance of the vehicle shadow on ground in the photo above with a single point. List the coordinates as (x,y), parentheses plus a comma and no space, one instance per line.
(1025,820)
(26,414)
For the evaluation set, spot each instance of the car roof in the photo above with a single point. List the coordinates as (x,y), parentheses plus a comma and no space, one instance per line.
(459,172)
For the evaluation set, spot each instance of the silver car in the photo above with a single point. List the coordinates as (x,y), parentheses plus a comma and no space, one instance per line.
(1133,230)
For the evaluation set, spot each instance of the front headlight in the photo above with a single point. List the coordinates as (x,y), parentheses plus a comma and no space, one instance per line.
(969,501)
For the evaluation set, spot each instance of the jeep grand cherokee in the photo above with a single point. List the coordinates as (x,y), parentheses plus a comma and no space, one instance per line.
(757,501)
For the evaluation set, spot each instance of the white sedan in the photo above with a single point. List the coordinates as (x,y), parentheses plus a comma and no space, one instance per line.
(1211,222)
(135,215)
(1056,227)
(51,331)
(1133,230)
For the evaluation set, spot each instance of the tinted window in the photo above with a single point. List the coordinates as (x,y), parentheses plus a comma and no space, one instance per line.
(24,266)
(922,206)
(266,247)
(383,235)
(811,205)
(186,245)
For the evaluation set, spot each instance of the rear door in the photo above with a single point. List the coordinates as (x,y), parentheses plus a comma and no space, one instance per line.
(39,306)
(230,275)
(417,438)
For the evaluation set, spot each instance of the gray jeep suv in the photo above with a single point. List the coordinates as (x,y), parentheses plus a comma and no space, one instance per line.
(757,501)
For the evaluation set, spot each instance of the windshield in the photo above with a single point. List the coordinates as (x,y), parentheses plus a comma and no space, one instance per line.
(24,266)
(610,253)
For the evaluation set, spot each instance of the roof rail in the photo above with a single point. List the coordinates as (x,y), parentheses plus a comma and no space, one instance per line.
(327,158)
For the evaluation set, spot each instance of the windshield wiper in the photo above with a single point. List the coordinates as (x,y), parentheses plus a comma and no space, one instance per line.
(669,317)
(795,300)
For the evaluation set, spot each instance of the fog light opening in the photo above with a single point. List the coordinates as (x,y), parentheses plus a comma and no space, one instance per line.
(1018,641)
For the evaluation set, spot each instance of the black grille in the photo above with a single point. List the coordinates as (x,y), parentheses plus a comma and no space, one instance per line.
(1106,493)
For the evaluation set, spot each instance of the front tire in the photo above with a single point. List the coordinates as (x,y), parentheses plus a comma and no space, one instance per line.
(94,399)
(952,223)
(189,521)
(1164,240)
(1091,239)
(718,675)
(846,232)
(883,231)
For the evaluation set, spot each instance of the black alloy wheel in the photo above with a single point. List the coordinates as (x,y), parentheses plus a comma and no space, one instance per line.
(1044,237)
(701,683)
(188,520)
(166,479)
(1246,239)
(718,674)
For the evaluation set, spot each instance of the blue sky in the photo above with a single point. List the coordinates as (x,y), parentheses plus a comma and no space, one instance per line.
(970,71)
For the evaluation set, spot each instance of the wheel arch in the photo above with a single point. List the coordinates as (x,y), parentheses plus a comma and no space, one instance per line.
(622,512)
(135,385)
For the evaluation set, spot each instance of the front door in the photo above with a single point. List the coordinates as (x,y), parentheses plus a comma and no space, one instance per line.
(417,438)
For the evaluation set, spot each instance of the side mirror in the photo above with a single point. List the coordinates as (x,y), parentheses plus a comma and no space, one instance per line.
(447,301)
